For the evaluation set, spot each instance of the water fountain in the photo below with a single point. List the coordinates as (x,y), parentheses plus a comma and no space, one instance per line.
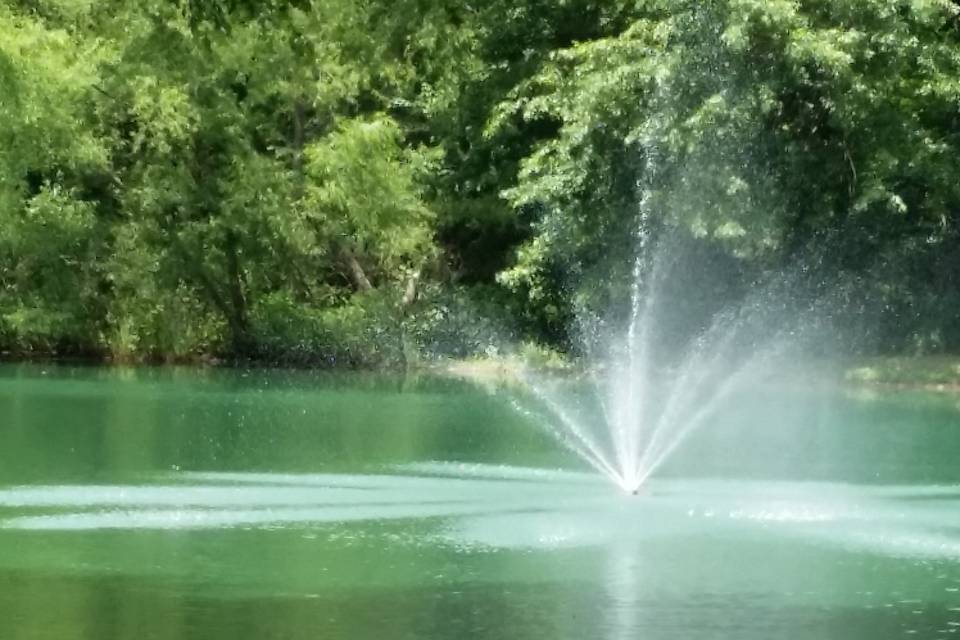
(636,401)
(642,391)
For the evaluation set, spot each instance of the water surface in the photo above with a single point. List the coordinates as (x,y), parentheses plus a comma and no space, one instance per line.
(179,503)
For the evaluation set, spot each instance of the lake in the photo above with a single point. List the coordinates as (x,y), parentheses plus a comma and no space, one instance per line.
(174,503)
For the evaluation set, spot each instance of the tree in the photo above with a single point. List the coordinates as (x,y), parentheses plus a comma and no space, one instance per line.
(759,125)
(51,230)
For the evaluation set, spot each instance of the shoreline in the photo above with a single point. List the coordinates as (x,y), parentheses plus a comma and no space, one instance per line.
(935,374)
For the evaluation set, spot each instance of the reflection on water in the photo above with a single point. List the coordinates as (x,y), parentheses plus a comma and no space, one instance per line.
(509,507)
(223,505)
(741,558)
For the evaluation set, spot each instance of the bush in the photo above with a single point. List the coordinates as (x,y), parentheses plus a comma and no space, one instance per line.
(158,324)
(542,357)
(364,332)
(28,330)
(373,329)
(459,323)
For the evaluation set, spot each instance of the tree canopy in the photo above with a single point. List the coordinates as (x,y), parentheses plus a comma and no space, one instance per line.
(336,179)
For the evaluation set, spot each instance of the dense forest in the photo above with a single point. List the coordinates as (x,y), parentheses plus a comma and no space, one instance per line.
(358,181)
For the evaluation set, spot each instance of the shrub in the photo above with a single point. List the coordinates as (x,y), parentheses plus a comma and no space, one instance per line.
(363,332)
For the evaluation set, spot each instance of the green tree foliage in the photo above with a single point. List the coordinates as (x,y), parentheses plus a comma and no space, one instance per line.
(314,177)
(51,240)
(763,126)
(364,201)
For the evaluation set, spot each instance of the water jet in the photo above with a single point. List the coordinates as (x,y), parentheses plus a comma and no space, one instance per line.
(641,391)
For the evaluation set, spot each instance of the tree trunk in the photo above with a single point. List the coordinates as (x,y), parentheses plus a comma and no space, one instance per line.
(238,317)
(410,292)
(232,307)
(299,140)
(357,274)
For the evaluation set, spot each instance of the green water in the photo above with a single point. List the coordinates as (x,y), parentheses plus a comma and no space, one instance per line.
(178,503)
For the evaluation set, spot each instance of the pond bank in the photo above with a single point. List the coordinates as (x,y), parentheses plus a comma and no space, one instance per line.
(939,373)
(927,373)
(933,373)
